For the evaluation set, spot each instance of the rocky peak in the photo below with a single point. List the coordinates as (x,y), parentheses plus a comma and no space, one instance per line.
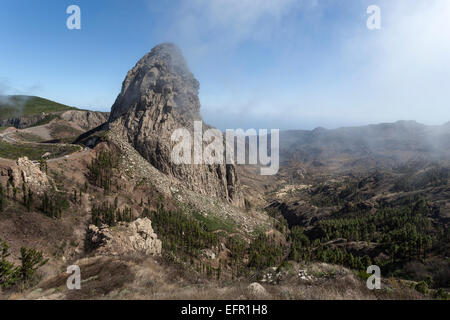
(160,95)
(163,74)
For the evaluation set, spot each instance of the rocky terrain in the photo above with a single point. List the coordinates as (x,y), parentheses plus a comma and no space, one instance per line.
(100,191)
(375,145)
(160,95)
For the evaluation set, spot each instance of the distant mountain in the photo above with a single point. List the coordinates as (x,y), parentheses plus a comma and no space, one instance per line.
(399,141)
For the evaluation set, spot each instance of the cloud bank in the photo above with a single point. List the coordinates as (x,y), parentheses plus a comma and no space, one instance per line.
(302,64)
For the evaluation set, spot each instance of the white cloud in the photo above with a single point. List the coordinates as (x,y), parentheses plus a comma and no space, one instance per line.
(399,72)
(408,65)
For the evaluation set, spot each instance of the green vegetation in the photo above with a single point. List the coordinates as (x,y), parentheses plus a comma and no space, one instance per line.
(185,236)
(43,166)
(101,170)
(422,287)
(212,223)
(2,198)
(403,230)
(302,249)
(110,215)
(15,106)
(264,252)
(326,200)
(441,294)
(54,204)
(180,233)
(34,152)
(10,274)
(434,177)
(31,260)
(51,203)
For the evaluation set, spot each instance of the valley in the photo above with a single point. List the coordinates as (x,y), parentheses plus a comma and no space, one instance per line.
(99,190)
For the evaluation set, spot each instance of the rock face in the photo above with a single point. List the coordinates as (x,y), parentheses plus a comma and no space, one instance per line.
(29,173)
(256,290)
(160,95)
(135,237)
(86,120)
(23,122)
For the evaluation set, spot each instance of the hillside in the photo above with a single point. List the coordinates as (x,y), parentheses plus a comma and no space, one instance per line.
(25,106)
(384,144)
(140,226)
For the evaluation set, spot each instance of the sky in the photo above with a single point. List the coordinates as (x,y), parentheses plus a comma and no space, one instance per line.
(287,64)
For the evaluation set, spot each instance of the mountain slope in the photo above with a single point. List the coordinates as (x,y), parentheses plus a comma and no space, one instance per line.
(17,106)
(160,95)
(389,142)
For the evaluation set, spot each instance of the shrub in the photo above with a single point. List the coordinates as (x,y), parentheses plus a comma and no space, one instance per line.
(31,260)
(101,170)
(9,273)
(2,198)
(422,287)
(441,294)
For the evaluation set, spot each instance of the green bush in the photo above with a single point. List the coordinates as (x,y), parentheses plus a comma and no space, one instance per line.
(2,198)
(441,294)
(422,287)
(101,170)
(53,204)
(9,273)
(110,215)
(31,260)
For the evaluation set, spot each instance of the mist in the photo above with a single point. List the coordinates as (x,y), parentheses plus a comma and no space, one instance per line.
(14,98)
(303,64)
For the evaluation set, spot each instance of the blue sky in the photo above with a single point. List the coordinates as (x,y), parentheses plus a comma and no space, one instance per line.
(288,64)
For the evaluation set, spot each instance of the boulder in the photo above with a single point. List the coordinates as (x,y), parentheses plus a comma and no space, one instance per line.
(136,237)
(28,172)
(257,290)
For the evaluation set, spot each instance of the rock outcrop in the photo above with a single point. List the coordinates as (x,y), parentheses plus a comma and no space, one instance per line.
(22,122)
(28,173)
(85,120)
(136,237)
(256,290)
(160,95)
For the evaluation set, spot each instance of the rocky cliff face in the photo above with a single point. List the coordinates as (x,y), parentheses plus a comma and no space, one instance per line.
(135,237)
(85,120)
(81,119)
(28,173)
(160,95)
(23,122)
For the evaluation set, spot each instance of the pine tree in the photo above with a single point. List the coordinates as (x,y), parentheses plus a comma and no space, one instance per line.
(29,200)
(24,194)
(14,193)
(43,165)
(9,273)
(2,198)
(31,260)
